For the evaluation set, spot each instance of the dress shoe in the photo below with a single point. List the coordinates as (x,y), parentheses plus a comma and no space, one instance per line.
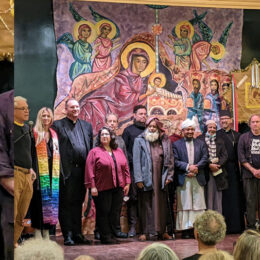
(132,232)
(81,240)
(187,234)
(68,240)
(97,235)
(120,234)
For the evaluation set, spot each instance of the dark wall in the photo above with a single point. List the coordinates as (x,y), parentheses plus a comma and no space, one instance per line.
(35,50)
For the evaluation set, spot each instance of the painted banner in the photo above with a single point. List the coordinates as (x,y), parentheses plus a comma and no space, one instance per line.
(174,60)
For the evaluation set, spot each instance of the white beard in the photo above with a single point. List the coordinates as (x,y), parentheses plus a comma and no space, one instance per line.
(151,137)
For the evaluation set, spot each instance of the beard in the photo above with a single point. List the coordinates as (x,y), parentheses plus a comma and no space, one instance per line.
(151,137)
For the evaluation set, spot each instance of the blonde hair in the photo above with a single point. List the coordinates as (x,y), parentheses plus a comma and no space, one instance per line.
(248,246)
(39,129)
(157,251)
(39,249)
(217,255)
(84,257)
(17,99)
(211,227)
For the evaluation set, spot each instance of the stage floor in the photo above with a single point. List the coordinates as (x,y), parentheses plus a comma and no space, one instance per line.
(130,248)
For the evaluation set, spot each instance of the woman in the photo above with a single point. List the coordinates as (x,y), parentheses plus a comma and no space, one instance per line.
(107,175)
(153,170)
(46,164)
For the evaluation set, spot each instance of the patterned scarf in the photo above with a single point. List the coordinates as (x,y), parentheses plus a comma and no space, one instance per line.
(211,143)
(49,191)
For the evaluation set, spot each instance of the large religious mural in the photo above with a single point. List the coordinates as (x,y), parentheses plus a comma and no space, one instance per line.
(174,60)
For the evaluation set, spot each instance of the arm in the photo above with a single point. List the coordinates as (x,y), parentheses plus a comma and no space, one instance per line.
(90,170)
(125,137)
(170,174)
(223,156)
(137,161)
(182,165)
(204,156)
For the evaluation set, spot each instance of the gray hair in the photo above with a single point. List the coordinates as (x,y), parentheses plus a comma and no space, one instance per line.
(111,114)
(17,99)
(211,227)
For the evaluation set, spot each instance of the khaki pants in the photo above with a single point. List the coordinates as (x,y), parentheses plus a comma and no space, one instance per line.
(23,190)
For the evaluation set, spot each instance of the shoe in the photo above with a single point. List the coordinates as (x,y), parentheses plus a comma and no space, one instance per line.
(132,232)
(97,235)
(120,234)
(68,240)
(186,234)
(109,241)
(81,240)
(142,238)
(166,236)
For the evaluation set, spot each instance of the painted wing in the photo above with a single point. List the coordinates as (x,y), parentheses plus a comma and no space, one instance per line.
(205,31)
(66,39)
(77,17)
(224,35)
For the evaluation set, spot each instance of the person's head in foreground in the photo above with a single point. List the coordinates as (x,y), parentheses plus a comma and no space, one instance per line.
(217,255)
(39,249)
(157,251)
(210,228)
(248,246)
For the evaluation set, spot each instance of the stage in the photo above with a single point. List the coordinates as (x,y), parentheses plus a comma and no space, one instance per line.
(130,248)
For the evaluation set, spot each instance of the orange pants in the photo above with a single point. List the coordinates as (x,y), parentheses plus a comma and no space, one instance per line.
(23,190)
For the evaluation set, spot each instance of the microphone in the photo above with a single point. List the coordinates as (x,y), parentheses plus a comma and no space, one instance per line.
(30,123)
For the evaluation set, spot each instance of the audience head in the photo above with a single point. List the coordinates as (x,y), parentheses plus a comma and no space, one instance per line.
(157,251)
(217,255)
(210,228)
(106,137)
(72,109)
(21,109)
(140,114)
(39,249)
(112,121)
(188,128)
(248,246)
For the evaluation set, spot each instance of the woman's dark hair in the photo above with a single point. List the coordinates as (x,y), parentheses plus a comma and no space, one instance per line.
(113,145)
(214,80)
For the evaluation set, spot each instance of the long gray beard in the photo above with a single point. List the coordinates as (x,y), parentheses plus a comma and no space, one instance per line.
(151,137)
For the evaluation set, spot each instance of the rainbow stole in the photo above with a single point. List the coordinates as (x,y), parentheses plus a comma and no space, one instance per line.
(49,193)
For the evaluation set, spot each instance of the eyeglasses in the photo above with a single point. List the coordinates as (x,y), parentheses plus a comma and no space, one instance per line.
(105,134)
(23,108)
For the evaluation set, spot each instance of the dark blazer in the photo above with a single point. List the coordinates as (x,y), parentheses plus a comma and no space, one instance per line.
(181,159)
(221,153)
(66,144)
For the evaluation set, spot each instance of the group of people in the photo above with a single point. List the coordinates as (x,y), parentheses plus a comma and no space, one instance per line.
(56,169)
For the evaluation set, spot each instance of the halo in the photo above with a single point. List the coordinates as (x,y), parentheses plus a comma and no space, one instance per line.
(139,45)
(220,55)
(178,29)
(112,34)
(157,75)
(93,34)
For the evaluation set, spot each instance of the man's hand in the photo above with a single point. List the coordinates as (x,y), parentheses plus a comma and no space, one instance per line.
(8,184)
(94,192)
(256,173)
(126,189)
(33,174)
(214,167)
(190,174)
(193,168)
(140,185)
(167,182)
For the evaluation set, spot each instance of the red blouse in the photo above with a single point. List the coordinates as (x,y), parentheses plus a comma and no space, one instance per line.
(100,169)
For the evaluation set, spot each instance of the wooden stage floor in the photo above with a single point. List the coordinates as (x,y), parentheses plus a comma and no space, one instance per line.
(130,248)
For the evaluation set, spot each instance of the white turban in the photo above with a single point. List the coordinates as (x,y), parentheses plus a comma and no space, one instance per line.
(210,122)
(187,123)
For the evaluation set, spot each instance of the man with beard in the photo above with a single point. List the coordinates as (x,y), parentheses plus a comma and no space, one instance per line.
(191,157)
(129,135)
(75,141)
(249,157)
(231,197)
(153,171)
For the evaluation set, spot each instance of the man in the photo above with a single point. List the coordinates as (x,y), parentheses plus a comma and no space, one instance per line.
(191,157)
(75,141)
(249,158)
(177,134)
(216,174)
(6,176)
(232,196)
(209,229)
(129,135)
(23,173)
(198,103)
(112,122)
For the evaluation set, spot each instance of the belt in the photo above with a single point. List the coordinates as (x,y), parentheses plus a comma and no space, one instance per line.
(21,169)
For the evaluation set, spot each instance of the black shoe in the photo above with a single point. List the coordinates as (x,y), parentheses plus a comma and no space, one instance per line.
(187,234)
(109,241)
(68,241)
(132,232)
(120,234)
(97,235)
(81,240)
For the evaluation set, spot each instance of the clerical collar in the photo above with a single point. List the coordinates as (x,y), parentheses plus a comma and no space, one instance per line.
(227,131)
(19,124)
